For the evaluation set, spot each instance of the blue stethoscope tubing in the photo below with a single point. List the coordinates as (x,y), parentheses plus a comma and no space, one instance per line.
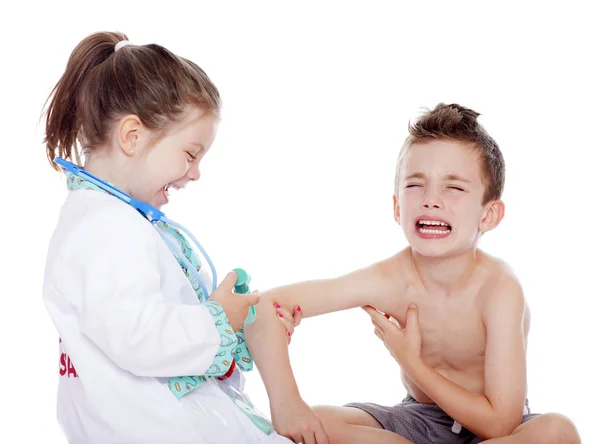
(154,216)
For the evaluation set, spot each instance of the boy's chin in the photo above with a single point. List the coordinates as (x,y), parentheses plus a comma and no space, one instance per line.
(431,252)
(432,248)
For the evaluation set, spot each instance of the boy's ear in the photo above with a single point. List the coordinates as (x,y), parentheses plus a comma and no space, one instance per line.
(493,216)
(396,210)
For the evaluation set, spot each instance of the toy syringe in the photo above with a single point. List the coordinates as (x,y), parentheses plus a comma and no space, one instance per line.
(242,287)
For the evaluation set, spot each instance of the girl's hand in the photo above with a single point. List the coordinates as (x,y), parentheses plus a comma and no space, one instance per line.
(235,305)
(289,319)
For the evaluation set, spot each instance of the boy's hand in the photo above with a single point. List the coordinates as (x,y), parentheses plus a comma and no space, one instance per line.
(403,344)
(235,305)
(297,421)
(290,320)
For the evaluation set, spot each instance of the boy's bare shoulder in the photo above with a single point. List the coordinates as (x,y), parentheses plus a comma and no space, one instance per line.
(390,278)
(395,269)
(501,290)
(495,270)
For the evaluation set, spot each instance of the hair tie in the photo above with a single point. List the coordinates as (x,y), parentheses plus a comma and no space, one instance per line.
(122,43)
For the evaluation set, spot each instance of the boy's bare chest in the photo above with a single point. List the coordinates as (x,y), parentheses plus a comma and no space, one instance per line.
(452,332)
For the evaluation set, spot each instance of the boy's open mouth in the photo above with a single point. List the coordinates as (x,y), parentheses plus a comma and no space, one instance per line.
(432,226)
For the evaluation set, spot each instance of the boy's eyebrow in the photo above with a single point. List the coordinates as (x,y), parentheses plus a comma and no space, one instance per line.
(416,176)
(454,177)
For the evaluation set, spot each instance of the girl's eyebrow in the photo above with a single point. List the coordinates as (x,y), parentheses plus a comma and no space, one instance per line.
(199,145)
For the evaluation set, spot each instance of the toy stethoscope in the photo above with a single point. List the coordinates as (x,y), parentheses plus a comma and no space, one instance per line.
(157,218)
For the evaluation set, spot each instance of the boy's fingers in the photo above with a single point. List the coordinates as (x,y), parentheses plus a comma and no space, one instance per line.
(378,327)
(412,317)
(377,317)
(371,311)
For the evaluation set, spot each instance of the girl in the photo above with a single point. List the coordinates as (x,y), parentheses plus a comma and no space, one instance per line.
(145,358)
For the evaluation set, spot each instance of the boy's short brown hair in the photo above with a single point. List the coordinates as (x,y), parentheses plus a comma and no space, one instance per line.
(457,123)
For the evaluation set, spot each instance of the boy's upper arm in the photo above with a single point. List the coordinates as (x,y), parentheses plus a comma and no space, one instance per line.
(505,372)
(365,286)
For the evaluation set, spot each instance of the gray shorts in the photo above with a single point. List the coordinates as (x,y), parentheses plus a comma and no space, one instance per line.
(423,423)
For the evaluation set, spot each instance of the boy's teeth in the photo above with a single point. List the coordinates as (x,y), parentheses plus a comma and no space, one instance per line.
(429,231)
(433,227)
(433,222)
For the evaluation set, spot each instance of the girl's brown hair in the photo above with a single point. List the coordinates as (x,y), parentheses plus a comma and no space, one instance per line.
(100,85)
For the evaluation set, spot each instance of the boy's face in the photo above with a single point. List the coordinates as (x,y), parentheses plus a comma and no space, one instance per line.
(439,203)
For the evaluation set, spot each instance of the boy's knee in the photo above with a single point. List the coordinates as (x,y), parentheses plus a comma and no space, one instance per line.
(327,413)
(564,428)
(332,421)
(559,429)
(345,416)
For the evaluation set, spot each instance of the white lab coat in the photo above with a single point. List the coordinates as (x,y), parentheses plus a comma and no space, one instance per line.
(129,320)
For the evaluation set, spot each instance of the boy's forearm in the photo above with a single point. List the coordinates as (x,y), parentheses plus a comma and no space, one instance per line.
(473,411)
(267,342)
(315,297)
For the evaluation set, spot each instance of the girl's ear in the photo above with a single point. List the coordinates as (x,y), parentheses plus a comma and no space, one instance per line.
(396,210)
(129,131)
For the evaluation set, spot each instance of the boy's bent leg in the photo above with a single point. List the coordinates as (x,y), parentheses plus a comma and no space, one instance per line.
(551,428)
(347,425)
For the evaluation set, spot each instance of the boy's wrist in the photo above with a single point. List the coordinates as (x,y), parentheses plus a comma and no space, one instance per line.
(412,364)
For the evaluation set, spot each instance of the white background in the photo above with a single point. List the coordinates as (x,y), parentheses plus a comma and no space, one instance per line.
(317,98)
